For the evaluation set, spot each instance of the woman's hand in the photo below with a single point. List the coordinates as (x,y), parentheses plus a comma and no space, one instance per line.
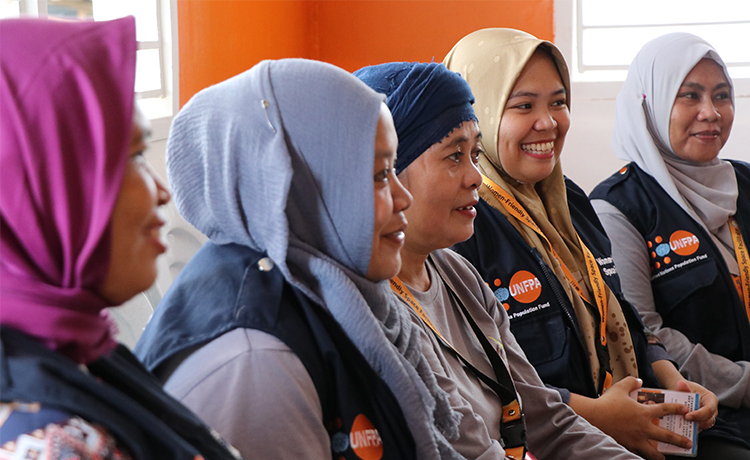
(709,404)
(670,378)
(631,423)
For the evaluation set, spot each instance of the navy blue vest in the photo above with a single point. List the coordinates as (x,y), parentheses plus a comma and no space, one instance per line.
(541,315)
(693,289)
(222,289)
(118,393)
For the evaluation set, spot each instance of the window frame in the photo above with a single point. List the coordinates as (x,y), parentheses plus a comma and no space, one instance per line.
(568,38)
(158,105)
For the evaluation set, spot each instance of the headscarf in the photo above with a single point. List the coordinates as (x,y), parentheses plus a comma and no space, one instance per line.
(66,116)
(491,61)
(279,159)
(427,101)
(706,191)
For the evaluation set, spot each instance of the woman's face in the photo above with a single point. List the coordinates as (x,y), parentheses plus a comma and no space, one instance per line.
(702,113)
(444,182)
(135,227)
(534,123)
(391,199)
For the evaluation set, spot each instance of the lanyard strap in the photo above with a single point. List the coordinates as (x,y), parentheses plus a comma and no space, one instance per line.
(513,425)
(515,209)
(743,260)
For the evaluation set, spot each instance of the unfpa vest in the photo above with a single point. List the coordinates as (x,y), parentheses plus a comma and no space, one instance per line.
(541,315)
(693,289)
(363,418)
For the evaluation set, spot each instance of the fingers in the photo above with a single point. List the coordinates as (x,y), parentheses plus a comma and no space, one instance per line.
(627,384)
(669,437)
(706,424)
(683,386)
(660,410)
(704,414)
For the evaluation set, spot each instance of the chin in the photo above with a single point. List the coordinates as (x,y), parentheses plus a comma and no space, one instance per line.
(461,237)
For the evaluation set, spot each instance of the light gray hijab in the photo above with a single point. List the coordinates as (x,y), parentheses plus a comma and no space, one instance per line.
(280,158)
(706,191)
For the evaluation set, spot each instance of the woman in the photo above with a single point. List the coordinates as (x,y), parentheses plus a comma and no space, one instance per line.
(79,209)
(465,332)
(539,246)
(680,252)
(281,332)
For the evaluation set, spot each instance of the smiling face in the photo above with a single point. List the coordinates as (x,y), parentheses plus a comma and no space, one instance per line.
(534,122)
(391,199)
(702,114)
(444,182)
(135,227)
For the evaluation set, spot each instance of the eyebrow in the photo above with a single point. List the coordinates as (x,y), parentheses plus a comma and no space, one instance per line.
(462,139)
(384,154)
(699,87)
(531,94)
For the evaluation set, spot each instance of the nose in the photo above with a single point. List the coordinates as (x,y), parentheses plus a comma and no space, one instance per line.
(163,195)
(401,197)
(545,121)
(708,111)
(472,177)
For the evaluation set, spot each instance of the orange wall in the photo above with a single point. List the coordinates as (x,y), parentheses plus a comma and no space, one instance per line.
(221,38)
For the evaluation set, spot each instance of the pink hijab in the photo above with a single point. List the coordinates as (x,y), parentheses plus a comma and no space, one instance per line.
(66,111)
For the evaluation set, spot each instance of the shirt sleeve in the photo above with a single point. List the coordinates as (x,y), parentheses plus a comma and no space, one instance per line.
(729,380)
(251,388)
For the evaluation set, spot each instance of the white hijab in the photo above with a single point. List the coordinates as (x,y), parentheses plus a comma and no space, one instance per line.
(706,191)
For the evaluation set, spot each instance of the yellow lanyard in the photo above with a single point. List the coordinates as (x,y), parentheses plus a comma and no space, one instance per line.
(743,260)
(400,288)
(515,209)
(511,411)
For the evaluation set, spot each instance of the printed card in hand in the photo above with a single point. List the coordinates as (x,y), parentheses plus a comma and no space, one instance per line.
(675,423)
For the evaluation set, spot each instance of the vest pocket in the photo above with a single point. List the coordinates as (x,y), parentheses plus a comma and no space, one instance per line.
(672,289)
(543,337)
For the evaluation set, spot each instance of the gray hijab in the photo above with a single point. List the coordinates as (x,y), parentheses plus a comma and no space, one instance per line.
(280,158)
(706,191)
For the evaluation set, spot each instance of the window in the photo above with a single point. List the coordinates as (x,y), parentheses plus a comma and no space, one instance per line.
(154,69)
(600,38)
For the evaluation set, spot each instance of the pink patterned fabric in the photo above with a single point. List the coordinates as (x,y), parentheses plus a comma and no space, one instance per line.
(66,110)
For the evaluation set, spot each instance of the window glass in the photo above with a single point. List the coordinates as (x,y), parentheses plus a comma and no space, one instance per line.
(611,32)
(10,9)
(147,71)
(146,24)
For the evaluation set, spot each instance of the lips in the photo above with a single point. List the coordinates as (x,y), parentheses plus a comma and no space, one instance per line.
(469,209)
(539,149)
(710,134)
(397,234)
(153,231)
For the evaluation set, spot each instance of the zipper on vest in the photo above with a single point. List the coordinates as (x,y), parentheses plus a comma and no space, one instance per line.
(551,279)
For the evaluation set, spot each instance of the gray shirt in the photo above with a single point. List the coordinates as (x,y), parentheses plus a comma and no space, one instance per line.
(554,430)
(251,388)
(729,380)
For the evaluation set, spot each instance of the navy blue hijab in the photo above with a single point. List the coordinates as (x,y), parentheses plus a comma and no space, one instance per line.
(427,102)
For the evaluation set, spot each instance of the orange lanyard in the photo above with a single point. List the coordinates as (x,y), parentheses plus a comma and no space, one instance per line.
(515,209)
(400,288)
(511,411)
(743,260)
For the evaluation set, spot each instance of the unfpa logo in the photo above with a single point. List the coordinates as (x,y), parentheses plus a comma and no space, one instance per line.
(681,242)
(364,439)
(524,287)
